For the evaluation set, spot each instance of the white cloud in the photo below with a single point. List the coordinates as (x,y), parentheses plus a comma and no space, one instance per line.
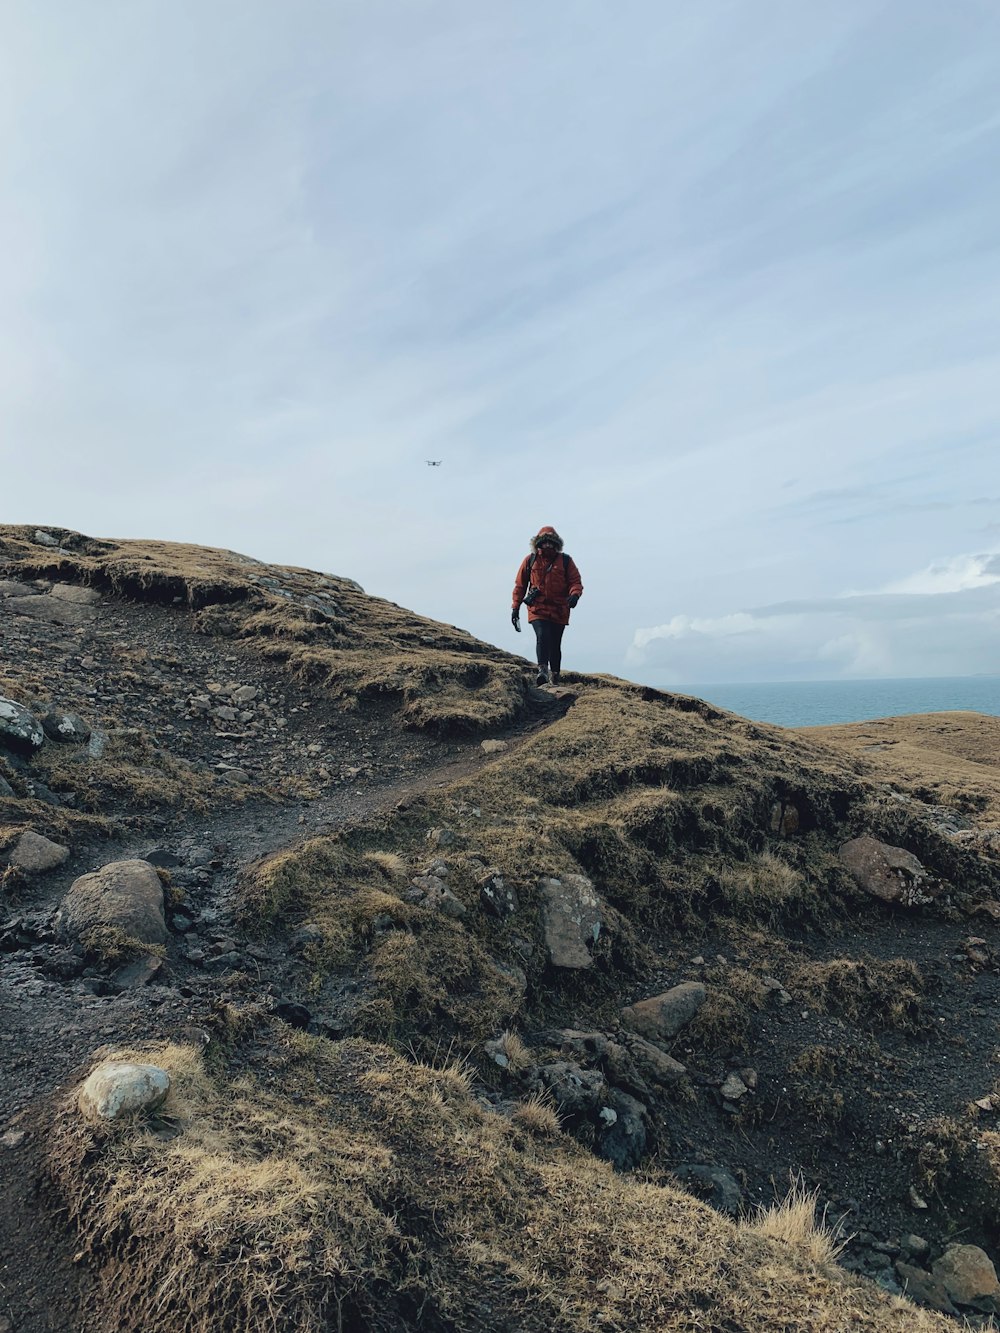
(943,620)
(947,576)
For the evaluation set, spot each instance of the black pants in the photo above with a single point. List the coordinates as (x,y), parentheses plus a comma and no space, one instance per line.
(548,643)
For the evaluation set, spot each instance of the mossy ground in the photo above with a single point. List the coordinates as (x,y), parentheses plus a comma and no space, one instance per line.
(390,1199)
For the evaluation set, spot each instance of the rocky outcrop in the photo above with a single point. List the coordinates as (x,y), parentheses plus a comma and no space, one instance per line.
(891,874)
(571,920)
(124,894)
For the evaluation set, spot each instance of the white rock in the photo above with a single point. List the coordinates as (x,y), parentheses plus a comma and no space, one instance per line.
(116,1089)
(734,1088)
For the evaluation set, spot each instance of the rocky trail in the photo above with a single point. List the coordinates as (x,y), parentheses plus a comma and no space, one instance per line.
(648,944)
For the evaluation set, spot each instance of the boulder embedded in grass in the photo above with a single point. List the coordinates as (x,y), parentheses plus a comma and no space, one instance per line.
(663,1016)
(127,895)
(20,730)
(66,727)
(571,917)
(117,1088)
(891,874)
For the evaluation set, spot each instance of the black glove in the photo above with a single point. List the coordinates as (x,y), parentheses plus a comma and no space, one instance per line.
(573,600)
(515,619)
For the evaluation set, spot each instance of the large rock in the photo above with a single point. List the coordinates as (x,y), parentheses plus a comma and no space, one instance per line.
(74,592)
(34,854)
(116,1089)
(661,1017)
(436,894)
(20,730)
(576,1092)
(126,894)
(968,1276)
(571,919)
(891,874)
(52,609)
(654,1063)
(65,727)
(921,1287)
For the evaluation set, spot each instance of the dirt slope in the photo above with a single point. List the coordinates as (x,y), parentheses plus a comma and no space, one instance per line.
(393,1106)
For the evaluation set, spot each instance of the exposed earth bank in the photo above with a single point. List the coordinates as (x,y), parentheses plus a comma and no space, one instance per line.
(471,996)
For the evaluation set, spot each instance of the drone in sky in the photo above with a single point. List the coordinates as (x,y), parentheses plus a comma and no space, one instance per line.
(433,462)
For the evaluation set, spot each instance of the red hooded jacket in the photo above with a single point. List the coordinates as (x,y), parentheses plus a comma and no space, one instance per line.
(557,579)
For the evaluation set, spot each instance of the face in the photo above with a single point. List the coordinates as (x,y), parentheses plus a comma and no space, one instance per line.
(547,545)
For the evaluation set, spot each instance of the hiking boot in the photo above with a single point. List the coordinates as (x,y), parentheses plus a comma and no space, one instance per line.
(543,677)
(555,678)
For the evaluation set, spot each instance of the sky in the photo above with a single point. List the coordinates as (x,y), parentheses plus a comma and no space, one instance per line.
(712,288)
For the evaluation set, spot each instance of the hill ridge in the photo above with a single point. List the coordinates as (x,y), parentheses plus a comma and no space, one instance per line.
(342,929)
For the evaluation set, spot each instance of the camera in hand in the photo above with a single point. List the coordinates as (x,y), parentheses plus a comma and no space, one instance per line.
(532,596)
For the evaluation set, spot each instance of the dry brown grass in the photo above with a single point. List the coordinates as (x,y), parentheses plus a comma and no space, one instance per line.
(518,1055)
(764,889)
(948,759)
(111,946)
(793,1222)
(537,1115)
(869,991)
(385,1197)
(393,866)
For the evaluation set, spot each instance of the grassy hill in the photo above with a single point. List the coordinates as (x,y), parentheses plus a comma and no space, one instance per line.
(402,1106)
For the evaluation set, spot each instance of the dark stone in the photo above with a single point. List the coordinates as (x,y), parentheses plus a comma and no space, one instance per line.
(159,856)
(713,1184)
(496,896)
(923,1288)
(295,1015)
(576,1092)
(624,1143)
(20,732)
(140,972)
(40,792)
(68,728)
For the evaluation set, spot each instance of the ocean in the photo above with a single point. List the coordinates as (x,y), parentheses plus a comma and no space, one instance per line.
(817,703)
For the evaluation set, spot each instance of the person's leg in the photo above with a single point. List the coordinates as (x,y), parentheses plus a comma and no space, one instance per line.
(541,649)
(541,642)
(555,652)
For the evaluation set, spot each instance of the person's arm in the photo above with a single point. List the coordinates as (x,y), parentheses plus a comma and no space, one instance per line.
(520,585)
(575,590)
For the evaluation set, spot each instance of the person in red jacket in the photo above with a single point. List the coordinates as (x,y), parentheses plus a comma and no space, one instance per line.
(548,583)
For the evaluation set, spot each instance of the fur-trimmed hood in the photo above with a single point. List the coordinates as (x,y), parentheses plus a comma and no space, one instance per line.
(546,532)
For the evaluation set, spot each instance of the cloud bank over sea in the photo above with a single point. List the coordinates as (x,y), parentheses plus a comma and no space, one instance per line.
(943,620)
